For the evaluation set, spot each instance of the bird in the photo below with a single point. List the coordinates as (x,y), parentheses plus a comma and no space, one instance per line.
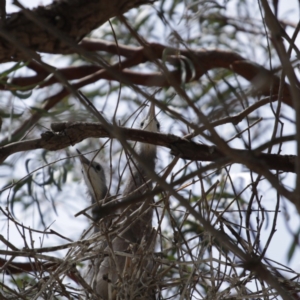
(137,231)
(95,180)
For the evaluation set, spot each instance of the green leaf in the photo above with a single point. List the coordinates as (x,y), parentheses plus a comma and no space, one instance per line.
(16,67)
(22,95)
(293,246)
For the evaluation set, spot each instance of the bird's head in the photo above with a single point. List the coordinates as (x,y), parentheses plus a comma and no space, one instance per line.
(149,123)
(94,177)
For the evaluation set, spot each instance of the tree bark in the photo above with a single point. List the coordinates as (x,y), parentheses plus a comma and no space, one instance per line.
(73,18)
(67,134)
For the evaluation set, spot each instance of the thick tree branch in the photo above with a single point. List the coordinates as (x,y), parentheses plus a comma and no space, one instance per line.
(203,61)
(74,18)
(73,133)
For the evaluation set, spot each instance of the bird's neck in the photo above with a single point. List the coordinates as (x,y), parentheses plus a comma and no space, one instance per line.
(147,156)
(99,195)
(97,211)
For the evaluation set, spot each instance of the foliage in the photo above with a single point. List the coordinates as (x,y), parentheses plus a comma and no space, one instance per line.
(220,75)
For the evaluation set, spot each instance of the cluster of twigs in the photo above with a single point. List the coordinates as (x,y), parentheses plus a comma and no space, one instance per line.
(188,261)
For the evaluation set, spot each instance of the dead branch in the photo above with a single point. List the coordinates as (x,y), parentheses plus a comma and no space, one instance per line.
(73,133)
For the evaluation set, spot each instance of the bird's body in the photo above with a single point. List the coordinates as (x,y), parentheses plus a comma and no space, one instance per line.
(95,181)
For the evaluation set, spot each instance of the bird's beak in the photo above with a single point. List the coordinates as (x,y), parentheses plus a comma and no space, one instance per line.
(83,159)
(151,112)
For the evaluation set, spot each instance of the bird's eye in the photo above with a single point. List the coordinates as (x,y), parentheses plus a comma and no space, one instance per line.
(98,167)
(142,124)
